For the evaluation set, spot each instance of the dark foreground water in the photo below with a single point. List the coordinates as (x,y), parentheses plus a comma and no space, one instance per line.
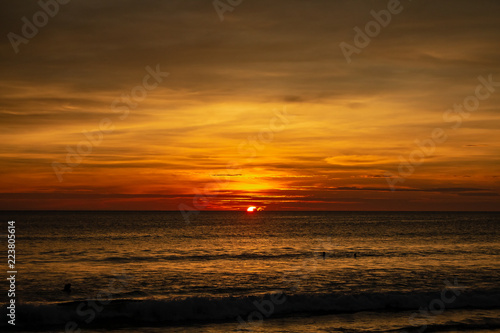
(234,271)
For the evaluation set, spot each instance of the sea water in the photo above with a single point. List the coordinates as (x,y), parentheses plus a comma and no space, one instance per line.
(262,271)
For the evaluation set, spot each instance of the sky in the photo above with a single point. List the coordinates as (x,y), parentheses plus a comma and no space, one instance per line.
(221,105)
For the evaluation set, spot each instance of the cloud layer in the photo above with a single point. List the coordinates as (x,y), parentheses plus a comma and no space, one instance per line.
(347,126)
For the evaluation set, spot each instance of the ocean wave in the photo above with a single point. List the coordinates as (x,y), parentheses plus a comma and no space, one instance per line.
(240,256)
(133,312)
(203,257)
(476,324)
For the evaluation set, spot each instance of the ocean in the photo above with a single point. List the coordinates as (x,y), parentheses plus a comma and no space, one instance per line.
(255,272)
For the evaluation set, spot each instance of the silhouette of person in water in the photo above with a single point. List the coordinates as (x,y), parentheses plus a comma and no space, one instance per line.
(355,255)
(67,288)
(324,255)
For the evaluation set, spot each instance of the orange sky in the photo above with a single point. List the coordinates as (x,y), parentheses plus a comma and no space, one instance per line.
(259,109)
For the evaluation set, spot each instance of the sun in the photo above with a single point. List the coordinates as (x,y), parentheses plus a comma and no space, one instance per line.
(251,209)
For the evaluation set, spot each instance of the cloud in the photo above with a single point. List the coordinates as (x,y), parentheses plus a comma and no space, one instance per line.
(352,121)
(348,160)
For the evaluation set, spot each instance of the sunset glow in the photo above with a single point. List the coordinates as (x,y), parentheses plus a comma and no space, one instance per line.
(300,166)
(143,117)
